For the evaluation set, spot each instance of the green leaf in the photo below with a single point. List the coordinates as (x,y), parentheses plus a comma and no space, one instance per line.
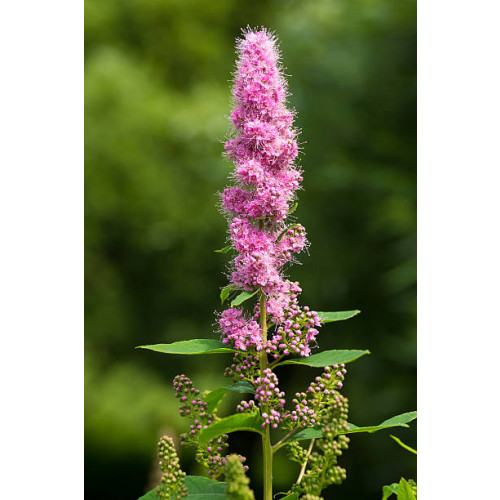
(194,346)
(242,297)
(292,496)
(387,491)
(296,204)
(401,419)
(202,488)
(397,421)
(233,423)
(404,491)
(214,397)
(316,432)
(280,237)
(241,386)
(309,433)
(150,495)
(405,446)
(224,250)
(328,317)
(199,488)
(226,292)
(326,358)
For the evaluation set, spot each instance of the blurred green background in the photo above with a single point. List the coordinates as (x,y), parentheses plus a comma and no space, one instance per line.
(157,99)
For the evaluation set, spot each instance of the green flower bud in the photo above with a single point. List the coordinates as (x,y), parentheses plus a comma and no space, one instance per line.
(236,479)
(413,486)
(172,482)
(320,467)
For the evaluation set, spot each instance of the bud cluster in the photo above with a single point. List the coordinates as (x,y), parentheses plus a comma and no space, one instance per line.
(302,415)
(185,390)
(236,479)
(310,407)
(244,367)
(297,453)
(323,392)
(330,410)
(213,455)
(297,327)
(269,398)
(172,481)
(335,415)
(413,486)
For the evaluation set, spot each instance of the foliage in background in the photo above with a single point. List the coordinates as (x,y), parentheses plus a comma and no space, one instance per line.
(156,87)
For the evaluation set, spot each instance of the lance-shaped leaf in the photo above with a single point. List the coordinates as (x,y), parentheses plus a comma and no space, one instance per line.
(202,488)
(398,421)
(388,490)
(150,495)
(316,432)
(233,423)
(226,292)
(224,250)
(194,346)
(199,488)
(239,299)
(214,397)
(326,358)
(328,317)
(309,433)
(405,446)
(242,386)
(295,205)
(404,491)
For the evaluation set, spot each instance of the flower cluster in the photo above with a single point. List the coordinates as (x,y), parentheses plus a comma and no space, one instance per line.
(236,328)
(265,145)
(263,150)
(213,455)
(172,481)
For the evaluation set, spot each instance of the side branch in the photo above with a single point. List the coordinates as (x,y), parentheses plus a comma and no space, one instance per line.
(280,443)
(304,465)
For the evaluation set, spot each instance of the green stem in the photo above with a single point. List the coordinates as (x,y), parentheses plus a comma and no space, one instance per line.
(279,444)
(304,465)
(276,361)
(266,438)
(268,465)
(263,328)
